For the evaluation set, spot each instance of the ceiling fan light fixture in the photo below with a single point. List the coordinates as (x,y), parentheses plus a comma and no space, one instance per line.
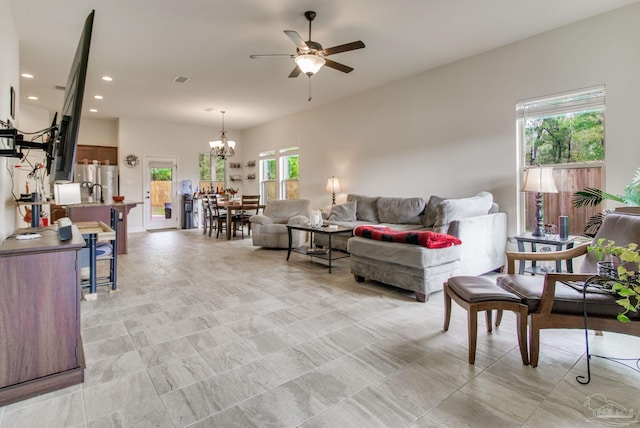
(310,64)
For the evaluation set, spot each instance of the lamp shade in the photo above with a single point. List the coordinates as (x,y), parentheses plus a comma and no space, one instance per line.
(333,185)
(310,64)
(539,180)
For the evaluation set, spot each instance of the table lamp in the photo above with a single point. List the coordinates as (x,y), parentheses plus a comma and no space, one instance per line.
(333,186)
(539,180)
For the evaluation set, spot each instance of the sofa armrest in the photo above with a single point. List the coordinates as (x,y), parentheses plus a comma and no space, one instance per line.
(298,219)
(260,219)
(484,242)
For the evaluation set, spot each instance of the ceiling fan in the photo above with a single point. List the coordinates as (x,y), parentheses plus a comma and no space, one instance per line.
(311,56)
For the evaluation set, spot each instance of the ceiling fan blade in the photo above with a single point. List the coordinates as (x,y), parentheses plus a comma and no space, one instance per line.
(297,40)
(338,66)
(344,48)
(267,55)
(295,72)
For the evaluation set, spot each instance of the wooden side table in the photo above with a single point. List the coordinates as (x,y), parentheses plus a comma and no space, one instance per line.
(549,241)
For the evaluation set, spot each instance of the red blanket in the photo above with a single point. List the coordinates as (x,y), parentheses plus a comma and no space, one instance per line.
(425,238)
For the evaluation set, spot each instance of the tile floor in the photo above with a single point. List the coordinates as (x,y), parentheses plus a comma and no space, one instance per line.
(216,333)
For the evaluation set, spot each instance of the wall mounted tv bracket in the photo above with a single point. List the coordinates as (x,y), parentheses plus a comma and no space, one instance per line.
(17,143)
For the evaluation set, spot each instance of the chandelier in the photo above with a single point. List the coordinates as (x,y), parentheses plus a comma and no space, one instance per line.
(222,148)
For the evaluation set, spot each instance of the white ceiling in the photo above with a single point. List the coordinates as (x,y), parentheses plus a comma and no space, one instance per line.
(145,44)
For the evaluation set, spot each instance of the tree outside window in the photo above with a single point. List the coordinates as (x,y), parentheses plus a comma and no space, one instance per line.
(565,131)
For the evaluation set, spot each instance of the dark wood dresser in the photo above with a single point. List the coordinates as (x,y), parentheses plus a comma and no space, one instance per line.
(40,343)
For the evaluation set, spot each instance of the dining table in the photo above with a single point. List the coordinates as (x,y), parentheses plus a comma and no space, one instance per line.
(232,206)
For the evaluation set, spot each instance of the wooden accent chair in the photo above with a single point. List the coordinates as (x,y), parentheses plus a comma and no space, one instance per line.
(553,304)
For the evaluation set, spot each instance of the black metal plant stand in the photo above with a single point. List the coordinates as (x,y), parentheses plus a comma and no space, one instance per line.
(622,361)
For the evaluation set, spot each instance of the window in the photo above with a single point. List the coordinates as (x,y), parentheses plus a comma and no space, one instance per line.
(268,188)
(565,131)
(279,174)
(210,182)
(290,173)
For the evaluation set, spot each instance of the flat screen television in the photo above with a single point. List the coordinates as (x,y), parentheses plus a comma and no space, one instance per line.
(62,150)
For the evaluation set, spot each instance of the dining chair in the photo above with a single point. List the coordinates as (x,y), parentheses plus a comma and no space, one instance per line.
(207,215)
(220,215)
(247,213)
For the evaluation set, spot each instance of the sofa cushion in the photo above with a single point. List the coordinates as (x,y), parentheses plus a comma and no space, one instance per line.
(430,212)
(366,209)
(400,210)
(456,209)
(414,256)
(344,212)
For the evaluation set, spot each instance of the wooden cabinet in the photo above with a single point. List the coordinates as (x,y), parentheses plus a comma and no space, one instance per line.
(99,153)
(40,343)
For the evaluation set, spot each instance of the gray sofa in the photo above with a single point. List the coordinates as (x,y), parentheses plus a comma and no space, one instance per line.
(270,228)
(476,221)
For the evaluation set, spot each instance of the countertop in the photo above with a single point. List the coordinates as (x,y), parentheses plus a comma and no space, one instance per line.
(83,204)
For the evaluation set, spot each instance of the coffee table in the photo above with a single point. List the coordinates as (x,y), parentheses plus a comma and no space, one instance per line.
(325,254)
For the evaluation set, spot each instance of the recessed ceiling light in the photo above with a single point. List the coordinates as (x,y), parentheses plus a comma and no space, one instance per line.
(32,98)
(107,78)
(93,110)
(27,75)
(97,97)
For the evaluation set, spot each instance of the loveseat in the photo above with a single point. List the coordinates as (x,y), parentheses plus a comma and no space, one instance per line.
(476,221)
(269,229)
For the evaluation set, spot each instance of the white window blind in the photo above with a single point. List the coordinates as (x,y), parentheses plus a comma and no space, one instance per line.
(581,100)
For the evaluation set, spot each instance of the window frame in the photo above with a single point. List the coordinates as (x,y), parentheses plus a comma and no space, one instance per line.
(575,101)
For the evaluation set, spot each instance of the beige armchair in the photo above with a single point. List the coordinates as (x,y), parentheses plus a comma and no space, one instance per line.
(553,304)
(270,228)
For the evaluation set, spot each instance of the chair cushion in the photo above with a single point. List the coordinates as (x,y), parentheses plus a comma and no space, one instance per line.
(474,289)
(567,299)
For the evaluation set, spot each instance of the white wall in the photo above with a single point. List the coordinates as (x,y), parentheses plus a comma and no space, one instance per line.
(451,131)
(8,78)
(150,138)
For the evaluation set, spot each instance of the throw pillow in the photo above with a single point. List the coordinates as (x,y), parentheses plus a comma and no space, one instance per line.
(366,209)
(430,213)
(344,212)
(457,209)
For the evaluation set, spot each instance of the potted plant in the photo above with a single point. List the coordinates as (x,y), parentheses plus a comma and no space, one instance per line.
(591,196)
(622,270)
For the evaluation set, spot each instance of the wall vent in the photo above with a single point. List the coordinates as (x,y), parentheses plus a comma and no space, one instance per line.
(59,88)
(180,79)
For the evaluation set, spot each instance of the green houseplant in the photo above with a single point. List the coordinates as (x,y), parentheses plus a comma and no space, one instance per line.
(591,196)
(623,271)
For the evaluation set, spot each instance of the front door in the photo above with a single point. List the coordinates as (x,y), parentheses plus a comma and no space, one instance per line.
(160,205)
